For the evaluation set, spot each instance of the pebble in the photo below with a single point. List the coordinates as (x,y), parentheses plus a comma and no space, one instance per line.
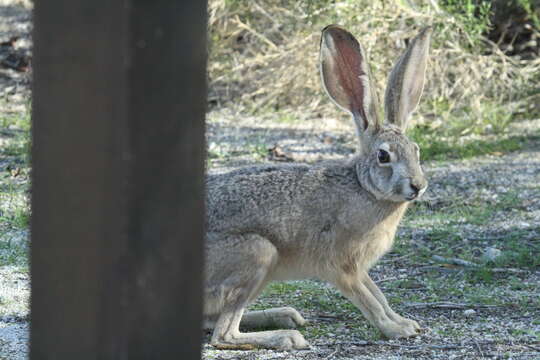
(491,253)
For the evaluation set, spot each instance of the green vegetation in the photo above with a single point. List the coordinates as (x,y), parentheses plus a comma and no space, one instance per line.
(335,314)
(434,148)
(474,17)
(13,253)
(532,9)
(14,187)
(15,132)
(446,235)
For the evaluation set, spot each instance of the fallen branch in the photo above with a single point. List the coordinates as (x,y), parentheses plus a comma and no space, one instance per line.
(453,346)
(454,261)
(509,270)
(338,348)
(387,279)
(327,318)
(479,348)
(465,263)
(532,347)
(396,258)
(449,305)
(383,343)
(426,268)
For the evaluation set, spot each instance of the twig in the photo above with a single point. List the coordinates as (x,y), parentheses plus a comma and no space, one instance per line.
(396,258)
(387,279)
(509,270)
(424,268)
(439,347)
(338,349)
(327,318)
(421,288)
(454,261)
(479,348)
(382,343)
(508,343)
(532,347)
(465,263)
(448,305)
(435,6)
(255,33)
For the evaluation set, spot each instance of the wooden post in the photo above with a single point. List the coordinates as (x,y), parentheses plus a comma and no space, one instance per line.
(118,163)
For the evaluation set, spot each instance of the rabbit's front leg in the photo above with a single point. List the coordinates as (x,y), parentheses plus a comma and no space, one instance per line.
(377,293)
(352,286)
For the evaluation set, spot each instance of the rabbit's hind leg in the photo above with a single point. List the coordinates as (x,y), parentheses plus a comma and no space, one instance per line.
(242,276)
(228,336)
(283,317)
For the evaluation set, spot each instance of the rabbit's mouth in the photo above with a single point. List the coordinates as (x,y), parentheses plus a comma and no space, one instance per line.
(416,193)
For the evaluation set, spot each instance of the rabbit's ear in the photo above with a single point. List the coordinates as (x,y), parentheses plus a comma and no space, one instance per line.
(406,81)
(346,77)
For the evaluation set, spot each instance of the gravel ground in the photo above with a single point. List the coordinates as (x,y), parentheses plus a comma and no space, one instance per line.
(502,321)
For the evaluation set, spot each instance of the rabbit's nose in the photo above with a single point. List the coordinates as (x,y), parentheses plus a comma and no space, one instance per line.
(415,189)
(418,187)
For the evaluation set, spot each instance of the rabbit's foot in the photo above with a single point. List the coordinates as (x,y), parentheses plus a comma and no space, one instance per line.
(409,322)
(404,321)
(394,330)
(277,340)
(284,318)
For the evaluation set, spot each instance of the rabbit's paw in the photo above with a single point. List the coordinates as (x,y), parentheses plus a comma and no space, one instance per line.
(394,330)
(277,340)
(408,322)
(289,340)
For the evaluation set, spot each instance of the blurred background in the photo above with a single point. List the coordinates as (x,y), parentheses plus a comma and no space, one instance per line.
(483,72)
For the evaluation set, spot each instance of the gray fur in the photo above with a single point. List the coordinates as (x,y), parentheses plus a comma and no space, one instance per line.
(330,221)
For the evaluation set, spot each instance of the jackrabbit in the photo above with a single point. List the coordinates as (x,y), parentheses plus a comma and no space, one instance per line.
(330,221)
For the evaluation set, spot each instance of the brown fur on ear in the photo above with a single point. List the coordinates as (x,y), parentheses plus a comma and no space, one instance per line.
(406,81)
(346,76)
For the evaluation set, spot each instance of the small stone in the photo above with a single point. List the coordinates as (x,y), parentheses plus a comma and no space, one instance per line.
(491,253)
(9,90)
(469,313)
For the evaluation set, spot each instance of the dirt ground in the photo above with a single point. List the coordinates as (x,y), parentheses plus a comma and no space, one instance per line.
(472,309)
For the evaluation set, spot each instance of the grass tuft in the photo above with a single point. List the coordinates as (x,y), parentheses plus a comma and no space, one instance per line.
(433,147)
(14,186)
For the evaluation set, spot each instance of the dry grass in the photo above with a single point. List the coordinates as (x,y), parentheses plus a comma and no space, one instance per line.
(263,57)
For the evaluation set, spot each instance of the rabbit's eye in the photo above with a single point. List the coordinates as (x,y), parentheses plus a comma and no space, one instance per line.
(383,156)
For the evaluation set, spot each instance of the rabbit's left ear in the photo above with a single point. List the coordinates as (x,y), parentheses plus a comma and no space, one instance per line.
(406,81)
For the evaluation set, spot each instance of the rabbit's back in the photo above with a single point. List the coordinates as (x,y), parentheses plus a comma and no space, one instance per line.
(262,198)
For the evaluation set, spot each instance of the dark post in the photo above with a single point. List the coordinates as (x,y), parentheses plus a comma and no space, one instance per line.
(118,162)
